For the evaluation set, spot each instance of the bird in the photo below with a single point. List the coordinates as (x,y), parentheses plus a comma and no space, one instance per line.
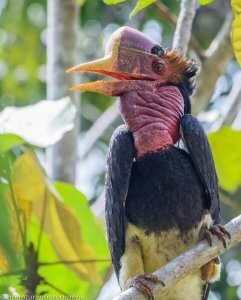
(161,185)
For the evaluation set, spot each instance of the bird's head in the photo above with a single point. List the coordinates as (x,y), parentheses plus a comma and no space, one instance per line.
(154,86)
(135,62)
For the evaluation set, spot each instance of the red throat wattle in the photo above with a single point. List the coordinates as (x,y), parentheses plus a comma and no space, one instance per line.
(153,117)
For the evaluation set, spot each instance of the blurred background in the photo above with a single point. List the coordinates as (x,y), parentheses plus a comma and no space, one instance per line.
(52,153)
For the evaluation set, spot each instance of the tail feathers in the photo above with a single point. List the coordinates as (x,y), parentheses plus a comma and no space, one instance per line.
(206,290)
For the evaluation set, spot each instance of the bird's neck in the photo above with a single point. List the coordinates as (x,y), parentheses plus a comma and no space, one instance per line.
(153,117)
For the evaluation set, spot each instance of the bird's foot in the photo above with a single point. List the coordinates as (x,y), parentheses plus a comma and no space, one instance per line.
(218,230)
(144,283)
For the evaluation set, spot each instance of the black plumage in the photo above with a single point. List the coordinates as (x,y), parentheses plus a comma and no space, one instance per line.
(163,190)
(119,162)
(197,144)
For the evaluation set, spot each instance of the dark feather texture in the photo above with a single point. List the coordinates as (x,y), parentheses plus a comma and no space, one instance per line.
(198,147)
(119,164)
(195,139)
(187,86)
(165,192)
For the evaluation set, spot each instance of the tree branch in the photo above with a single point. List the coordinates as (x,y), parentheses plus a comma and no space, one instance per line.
(187,262)
(217,57)
(183,30)
(226,200)
(165,14)
(237,122)
(230,108)
(97,129)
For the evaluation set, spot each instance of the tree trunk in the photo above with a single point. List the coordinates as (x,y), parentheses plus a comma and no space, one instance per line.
(62,46)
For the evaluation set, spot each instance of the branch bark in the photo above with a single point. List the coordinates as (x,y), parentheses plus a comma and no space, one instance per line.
(165,14)
(183,30)
(226,200)
(230,108)
(98,128)
(61,54)
(216,60)
(188,262)
(237,122)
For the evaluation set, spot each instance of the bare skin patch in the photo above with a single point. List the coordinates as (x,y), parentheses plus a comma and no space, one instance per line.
(153,117)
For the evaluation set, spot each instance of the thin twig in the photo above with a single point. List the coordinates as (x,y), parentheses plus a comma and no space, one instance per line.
(217,57)
(230,108)
(74,262)
(13,273)
(237,122)
(53,286)
(229,202)
(183,30)
(165,14)
(189,261)
(98,128)
(16,209)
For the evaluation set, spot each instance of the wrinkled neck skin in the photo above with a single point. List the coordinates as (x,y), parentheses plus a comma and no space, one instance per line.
(153,117)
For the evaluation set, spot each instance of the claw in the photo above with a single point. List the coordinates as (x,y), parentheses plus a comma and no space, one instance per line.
(208,236)
(144,283)
(224,231)
(218,230)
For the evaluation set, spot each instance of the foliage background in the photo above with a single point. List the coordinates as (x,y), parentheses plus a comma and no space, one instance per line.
(23,82)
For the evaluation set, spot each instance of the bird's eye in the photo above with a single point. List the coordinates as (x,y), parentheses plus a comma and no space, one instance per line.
(158,67)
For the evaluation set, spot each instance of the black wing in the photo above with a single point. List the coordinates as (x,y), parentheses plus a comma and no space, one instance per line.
(119,163)
(195,139)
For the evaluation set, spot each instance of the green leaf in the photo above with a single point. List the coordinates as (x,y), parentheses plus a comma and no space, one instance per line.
(205,2)
(80,2)
(5,228)
(140,5)
(7,141)
(8,258)
(6,161)
(8,253)
(11,286)
(67,280)
(236,6)
(226,148)
(112,2)
(91,230)
(236,32)
(31,187)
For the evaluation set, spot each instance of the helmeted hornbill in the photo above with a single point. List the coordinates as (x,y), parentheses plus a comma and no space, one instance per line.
(160,199)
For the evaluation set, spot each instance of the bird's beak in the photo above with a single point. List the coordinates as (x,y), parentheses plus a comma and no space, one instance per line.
(104,66)
(125,76)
